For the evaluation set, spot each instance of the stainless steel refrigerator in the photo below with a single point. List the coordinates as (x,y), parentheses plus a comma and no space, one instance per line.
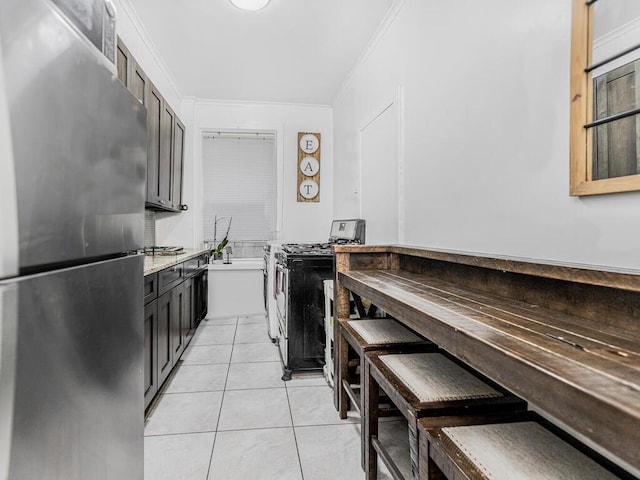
(72,176)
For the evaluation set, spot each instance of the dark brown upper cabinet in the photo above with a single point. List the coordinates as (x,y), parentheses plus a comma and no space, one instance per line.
(123,63)
(165,136)
(178,163)
(165,169)
(154,133)
(139,84)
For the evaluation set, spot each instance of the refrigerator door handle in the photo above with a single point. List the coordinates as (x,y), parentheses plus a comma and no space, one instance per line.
(9,232)
(8,337)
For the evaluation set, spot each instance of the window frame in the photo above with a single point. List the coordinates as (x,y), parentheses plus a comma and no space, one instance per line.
(235,135)
(581,181)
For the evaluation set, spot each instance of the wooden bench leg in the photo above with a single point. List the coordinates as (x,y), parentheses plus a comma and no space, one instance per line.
(362,312)
(428,470)
(433,472)
(343,375)
(364,385)
(413,445)
(369,422)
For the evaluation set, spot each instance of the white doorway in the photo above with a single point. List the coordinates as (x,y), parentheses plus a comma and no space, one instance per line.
(380,174)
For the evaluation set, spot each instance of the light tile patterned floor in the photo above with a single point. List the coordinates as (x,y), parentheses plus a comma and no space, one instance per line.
(225,414)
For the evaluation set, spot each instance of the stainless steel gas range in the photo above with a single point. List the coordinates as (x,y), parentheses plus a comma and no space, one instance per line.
(300,269)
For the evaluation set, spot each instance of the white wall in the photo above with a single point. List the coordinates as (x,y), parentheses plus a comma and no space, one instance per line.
(297,221)
(485,134)
(613,14)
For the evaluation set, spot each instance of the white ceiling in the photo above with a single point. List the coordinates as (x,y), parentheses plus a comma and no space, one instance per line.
(294,51)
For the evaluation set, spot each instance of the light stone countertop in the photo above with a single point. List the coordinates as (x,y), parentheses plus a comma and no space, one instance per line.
(153,264)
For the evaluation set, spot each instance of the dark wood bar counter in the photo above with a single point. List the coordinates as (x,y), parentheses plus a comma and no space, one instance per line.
(566,338)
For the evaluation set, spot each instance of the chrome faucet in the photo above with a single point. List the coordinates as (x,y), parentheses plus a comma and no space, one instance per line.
(229,251)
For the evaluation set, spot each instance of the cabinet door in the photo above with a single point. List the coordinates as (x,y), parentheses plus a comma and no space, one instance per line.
(169,278)
(150,287)
(165,169)
(165,357)
(154,116)
(123,63)
(139,83)
(150,352)
(177,322)
(188,312)
(178,163)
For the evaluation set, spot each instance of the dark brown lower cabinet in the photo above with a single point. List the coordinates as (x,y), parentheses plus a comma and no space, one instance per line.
(178,335)
(150,351)
(188,317)
(170,320)
(165,357)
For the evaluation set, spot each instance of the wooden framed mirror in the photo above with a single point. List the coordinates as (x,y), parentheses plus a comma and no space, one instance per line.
(605,97)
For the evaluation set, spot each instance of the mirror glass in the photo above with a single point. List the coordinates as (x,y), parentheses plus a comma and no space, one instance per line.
(616,88)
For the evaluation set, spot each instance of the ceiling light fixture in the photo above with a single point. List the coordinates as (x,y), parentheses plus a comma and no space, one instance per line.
(250,4)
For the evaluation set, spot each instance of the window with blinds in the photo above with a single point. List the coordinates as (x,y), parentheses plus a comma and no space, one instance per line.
(239,183)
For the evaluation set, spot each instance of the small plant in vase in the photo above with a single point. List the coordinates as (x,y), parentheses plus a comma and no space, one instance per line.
(216,252)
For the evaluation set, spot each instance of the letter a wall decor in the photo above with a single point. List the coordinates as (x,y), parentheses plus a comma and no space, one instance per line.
(308,167)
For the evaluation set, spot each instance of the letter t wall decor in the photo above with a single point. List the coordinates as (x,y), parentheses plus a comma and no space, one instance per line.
(308,167)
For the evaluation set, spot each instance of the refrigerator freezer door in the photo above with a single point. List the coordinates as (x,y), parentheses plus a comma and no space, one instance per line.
(79,141)
(9,218)
(8,324)
(78,411)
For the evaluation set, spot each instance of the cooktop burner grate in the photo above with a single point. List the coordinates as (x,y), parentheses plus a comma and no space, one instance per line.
(163,251)
(307,248)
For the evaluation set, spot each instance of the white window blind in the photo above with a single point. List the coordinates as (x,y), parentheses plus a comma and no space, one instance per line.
(239,181)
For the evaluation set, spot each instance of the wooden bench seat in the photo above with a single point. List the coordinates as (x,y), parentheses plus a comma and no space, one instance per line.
(365,335)
(425,384)
(519,450)
(563,338)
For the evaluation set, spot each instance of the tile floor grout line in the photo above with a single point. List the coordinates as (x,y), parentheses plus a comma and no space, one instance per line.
(199,432)
(254,361)
(251,388)
(295,437)
(257,429)
(215,437)
(213,446)
(224,389)
(205,364)
(197,391)
(222,400)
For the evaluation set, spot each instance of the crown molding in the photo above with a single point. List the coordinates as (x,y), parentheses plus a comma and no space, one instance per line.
(377,37)
(151,46)
(616,41)
(617,33)
(252,103)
